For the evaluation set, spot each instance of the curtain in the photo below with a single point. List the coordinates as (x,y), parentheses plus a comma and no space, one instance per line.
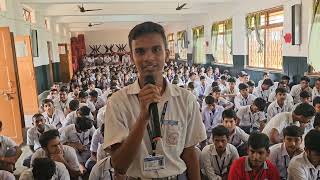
(198,45)
(228,35)
(314,53)
(214,39)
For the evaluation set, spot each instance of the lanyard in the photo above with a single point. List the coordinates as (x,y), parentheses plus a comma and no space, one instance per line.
(83,139)
(222,166)
(212,117)
(244,102)
(151,134)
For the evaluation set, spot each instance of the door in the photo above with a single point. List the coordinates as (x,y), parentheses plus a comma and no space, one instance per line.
(27,78)
(11,110)
(64,63)
(51,69)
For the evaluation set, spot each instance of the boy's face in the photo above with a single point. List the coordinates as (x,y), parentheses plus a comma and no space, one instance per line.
(317,107)
(232,85)
(211,106)
(317,84)
(313,156)
(292,143)
(251,88)
(229,123)
(39,123)
(254,108)
(244,92)
(48,107)
(220,143)
(63,96)
(54,146)
(216,95)
(257,156)
(281,96)
(304,84)
(306,100)
(265,87)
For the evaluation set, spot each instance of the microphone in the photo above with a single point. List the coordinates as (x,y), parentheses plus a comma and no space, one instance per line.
(153,110)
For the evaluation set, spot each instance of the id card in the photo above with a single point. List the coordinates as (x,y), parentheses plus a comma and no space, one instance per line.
(152,163)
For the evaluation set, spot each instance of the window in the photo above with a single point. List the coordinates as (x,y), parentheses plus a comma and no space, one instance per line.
(265,39)
(47,24)
(198,45)
(27,15)
(3,5)
(171,46)
(221,38)
(314,53)
(182,45)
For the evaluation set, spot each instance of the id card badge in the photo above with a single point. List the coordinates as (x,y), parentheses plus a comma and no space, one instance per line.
(153,163)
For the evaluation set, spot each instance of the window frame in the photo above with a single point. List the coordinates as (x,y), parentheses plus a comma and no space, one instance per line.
(170,41)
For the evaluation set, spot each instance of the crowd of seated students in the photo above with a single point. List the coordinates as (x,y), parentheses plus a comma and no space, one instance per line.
(268,131)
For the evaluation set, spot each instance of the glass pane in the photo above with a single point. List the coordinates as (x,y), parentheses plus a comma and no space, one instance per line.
(276,17)
(274,48)
(256,51)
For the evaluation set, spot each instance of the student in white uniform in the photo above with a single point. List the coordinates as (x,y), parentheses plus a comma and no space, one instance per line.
(296,89)
(53,149)
(45,169)
(103,171)
(316,122)
(209,88)
(223,83)
(78,136)
(282,153)
(244,98)
(52,115)
(96,142)
(272,96)
(100,116)
(279,105)
(6,175)
(128,116)
(316,104)
(237,136)
(218,157)
(242,78)
(82,111)
(264,90)
(252,117)
(232,90)
(75,92)
(266,75)
(62,102)
(316,89)
(92,87)
(307,164)
(84,99)
(305,97)
(251,85)
(211,114)
(301,116)
(9,152)
(34,133)
(202,87)
(216,93)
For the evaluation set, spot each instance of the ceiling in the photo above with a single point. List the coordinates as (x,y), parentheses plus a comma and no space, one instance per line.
(118,14)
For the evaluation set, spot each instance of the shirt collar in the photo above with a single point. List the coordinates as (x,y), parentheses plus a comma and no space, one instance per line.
(214,151)
(247,165)
(284,151)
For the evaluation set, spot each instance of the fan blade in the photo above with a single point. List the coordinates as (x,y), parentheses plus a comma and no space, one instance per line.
(93,9)
(183,5)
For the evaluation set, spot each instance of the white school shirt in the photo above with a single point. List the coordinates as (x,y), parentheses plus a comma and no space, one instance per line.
(214,165)
(72,117)
(62,106)
(102,170)
(70,134)
(181,128)
(99,103)
(280,158)
(272,97)
(315,92)
(274,109)
(295,93)
(238,137)
(247,118)
(96,141)
(6,143)
(210,119)
(69,154)
(100,116)
(56,120)
(61,173)
(99,91)
(5,175)
(33,136)
(240,101)
(264,94)
(301,168)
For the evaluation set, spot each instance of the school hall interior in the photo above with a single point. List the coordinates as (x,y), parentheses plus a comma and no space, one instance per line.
(44,44)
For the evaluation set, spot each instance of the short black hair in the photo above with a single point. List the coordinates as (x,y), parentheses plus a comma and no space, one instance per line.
(281,90)
(220,130)
(293,131)
(93,93)
(316,122)
(43,168)
(83,123)
(305,94)
(74,105)
(316,100)
(191,74)
(63,89)
(223,77)
(202,77)
(304,109)
(214,84)
(147,28)
(266,73)
(311,141)
(251,83)
(243,86)
(229,113)
(260,103)
(191,85)
(37,115)
(268,82)
(285,77)
(258,140)
(216,89)
(232,79)
(47,101)
(47,136)
(305,78)
(84,111)
(82,94)
(209,100)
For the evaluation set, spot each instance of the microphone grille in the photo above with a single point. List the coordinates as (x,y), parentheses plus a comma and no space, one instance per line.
(149,80)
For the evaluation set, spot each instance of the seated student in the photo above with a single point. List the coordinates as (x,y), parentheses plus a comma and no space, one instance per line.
(282,153)
(53,94)
(223,83)
(306,165)
(33,134)
(45,169)
(209,88)
(255,166)
(53,116)
(6,175)
(96,100)
(62,102)
(243,77)
(191,88)
(75,91)
(266,75)
(101,116)
(316,89)
(301,116)
(279,105)
(82,111)
(251,85)
(103,171)
(285,83)
(216,93)
(297,89)
(264,90)
(84,99)
(9,152)
(316,103)
(92,87)
(96,142)
(252,117)
(272,96)
(211,114)
(316,123)
(232,90)
(218,157)
(73,106)
(237,136)
(78,136)
(244,98)
(53,149)
(305,97)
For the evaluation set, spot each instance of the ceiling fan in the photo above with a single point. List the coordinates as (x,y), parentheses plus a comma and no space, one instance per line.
(182,6)
(93,24)
(82,9)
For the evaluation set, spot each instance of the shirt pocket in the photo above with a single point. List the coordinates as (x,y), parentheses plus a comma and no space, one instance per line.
(171,132)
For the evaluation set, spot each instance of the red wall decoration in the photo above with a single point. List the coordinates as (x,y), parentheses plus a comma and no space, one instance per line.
(78,49)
